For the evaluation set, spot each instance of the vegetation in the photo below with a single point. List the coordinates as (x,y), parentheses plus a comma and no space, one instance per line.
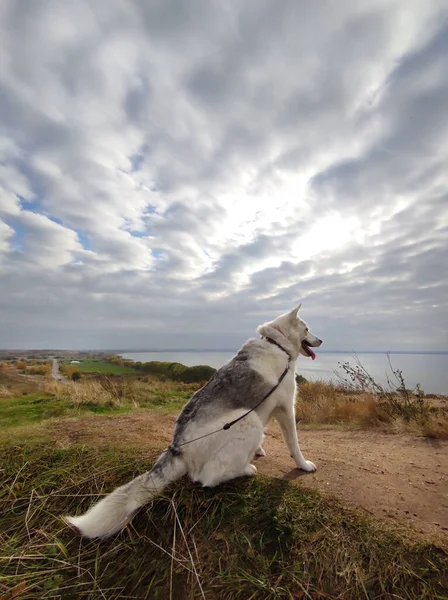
(104,396)
(67,370)
(257,539)
(176,371)
(320,403)
(118,366)
(33,367)
(30,409)
(396,399)
(248,539)
(167,370)
(105,366)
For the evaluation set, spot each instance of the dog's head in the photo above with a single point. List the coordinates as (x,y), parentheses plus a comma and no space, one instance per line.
(295,330)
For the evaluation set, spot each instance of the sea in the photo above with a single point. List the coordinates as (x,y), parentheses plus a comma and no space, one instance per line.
(430,370)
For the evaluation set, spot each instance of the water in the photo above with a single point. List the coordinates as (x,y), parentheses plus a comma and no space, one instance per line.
(430,370)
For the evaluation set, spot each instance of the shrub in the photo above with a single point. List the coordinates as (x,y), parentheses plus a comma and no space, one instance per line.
(394,398)
(196,374)
(177,371)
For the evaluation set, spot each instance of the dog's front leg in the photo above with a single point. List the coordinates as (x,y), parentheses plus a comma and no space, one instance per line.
(287,422)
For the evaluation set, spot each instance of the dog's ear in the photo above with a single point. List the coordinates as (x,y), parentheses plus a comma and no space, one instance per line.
(293,314)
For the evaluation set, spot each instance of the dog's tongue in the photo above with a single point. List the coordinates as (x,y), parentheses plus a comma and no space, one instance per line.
(308,349)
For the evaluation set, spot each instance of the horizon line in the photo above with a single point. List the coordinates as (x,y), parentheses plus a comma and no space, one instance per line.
(153,350)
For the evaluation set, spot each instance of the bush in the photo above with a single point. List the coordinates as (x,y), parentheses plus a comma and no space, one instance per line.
(68,370)
(395,398)
(177,371)
(76,376)
(196,374)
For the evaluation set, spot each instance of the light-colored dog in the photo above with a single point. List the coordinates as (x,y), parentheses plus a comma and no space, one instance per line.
(235,392)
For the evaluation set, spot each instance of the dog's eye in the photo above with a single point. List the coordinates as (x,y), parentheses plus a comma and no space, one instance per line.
(306,329)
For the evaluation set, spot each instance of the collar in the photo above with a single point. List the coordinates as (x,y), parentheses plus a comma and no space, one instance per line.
(271,341)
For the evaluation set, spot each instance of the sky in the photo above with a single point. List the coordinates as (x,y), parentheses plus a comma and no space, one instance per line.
(173,174)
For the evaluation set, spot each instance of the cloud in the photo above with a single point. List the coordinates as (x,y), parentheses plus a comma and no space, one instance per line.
(172,174)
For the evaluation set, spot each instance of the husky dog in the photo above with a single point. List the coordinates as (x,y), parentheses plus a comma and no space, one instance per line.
(201,446)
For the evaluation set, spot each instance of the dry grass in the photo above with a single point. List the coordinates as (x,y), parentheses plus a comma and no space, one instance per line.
(436,428)
(320,402)
(257,539)
(5,392)
(123,392)
(325,403)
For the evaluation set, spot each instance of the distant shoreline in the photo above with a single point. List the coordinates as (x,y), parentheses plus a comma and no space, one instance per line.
(350,352)
(206,350)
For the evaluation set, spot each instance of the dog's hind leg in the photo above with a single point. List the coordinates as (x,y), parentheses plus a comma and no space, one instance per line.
(213,475)
(286,419)
(259,451)
(231,455)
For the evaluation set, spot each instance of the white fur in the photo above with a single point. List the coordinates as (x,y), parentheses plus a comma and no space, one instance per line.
(220,457)
(111,514)
(226,454)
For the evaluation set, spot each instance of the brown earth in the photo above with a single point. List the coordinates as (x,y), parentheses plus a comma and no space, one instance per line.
(398,478)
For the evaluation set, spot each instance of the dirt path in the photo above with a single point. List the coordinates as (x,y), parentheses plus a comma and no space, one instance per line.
(400,478)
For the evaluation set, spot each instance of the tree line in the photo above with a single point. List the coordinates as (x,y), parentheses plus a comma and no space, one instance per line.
(168,370)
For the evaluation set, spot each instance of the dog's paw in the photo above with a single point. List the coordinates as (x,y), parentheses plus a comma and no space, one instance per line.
(260,452)
(250,470)
(308,466)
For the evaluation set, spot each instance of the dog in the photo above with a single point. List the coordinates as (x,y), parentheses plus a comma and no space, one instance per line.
(221,428)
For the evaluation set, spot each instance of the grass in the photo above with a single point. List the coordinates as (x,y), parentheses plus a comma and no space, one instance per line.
(69,400)
(247,539)
(257,539)
(321,403)
(30,409)
(125,393)
(102,366)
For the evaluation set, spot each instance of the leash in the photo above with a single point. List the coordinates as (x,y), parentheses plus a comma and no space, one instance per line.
(227,426)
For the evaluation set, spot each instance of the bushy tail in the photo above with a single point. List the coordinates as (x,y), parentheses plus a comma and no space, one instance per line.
(112,513)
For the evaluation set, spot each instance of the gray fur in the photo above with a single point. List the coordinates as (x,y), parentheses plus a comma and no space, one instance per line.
(200,447)
(235,385)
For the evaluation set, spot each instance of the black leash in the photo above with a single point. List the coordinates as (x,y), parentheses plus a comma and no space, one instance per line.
(265,397)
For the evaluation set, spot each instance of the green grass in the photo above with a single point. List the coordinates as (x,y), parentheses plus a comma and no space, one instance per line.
(30,409)
(257,539)
(102,366)
(118,398)
(38,408)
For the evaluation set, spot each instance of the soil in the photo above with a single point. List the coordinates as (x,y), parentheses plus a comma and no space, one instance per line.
(397,478)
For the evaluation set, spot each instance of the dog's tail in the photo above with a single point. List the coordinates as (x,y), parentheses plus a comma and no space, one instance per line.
(113,512)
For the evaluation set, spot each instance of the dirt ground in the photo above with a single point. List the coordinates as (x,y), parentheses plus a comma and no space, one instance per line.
(393,477)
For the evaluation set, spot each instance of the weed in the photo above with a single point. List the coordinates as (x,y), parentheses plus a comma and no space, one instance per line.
(395,397)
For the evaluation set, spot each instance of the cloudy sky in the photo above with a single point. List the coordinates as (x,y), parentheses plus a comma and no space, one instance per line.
(174,173)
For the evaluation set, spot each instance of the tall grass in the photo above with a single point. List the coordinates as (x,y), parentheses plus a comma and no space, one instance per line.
(397,399)
(359,400)
(323,403)
(122,392)
(258,539)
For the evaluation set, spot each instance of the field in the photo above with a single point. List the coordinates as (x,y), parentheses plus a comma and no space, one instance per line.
(279,535)
(102,366)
